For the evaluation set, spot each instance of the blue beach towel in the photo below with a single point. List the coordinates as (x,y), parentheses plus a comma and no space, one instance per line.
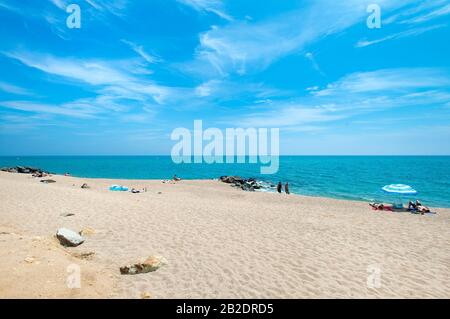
(118,188)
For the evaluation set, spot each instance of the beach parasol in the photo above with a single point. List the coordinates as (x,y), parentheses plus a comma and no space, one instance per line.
(399,190)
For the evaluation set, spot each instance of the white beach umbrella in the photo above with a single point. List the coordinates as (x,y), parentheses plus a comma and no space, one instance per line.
(399,190)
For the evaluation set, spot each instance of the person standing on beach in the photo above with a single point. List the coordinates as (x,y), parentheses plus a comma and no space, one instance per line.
(286,188)
(279,187)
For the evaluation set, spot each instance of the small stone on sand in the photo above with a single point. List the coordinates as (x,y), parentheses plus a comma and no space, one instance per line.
(67,214)
(146,295)
(150,264)
(84,255)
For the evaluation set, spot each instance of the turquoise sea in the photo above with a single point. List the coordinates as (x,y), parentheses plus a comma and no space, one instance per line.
(346,177)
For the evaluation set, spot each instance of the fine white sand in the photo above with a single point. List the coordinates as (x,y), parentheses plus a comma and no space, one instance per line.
(219,242)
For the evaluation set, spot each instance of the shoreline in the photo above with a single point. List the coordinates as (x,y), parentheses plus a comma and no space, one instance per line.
(266,191)
(125,181)
(348,178)
(219,242)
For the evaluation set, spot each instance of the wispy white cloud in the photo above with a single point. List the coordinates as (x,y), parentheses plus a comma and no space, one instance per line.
(113,7)
(399,35)
(9,7)
(387,80)
(241,46)
(139,49)
(415,9)
(61,4)
(124,86)
(310,56)
(213,6)
(437,13)
(355,94)
(290,115)
(118,88)
(50,12)
(66,110)
(226,89)
(92,72)
(13,89)
(116,77)
(18,124)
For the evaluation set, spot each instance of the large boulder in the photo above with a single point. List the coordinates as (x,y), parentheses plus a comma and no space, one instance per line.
(250,184)
(22,170)
(247,187)
(231,179)
(69,238)
(150,264)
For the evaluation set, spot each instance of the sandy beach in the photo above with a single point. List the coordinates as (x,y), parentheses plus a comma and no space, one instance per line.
(219,242)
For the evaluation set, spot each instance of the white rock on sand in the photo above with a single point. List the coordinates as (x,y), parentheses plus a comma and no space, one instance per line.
(221,242)
(69,238)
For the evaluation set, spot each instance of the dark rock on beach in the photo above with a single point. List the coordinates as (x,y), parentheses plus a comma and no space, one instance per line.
(48,181)
(150,264)
(25,170)
(249,185)
(231,179)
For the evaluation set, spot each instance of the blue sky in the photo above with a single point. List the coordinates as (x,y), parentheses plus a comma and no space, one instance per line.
(138,69)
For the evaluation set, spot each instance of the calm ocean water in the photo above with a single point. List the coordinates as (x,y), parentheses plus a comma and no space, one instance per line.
(346,177)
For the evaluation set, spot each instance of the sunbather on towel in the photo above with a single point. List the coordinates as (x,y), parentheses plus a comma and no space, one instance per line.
(380,206)
(422,209)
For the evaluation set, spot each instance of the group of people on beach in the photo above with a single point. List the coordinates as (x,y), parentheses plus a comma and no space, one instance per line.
(280,188)
(413,207)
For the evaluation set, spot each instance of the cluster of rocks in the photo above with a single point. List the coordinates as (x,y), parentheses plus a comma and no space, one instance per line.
(37,172)
(249,185)
(70,238)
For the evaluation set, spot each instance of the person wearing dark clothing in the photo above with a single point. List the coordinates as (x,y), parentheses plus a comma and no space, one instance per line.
(411,206)
(279,187)
(286,188)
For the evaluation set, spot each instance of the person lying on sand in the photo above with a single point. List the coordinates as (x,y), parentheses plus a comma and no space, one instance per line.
(138,191)
(422,209)
(176,178)
(381,206)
